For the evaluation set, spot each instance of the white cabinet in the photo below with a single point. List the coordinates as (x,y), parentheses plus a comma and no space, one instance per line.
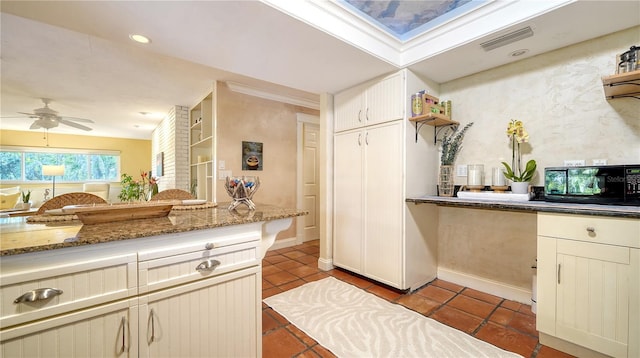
(202,119)
(370,104)
(374,231)
(109,330)
(588,275)
(215,317)
(192,294)
(368,202)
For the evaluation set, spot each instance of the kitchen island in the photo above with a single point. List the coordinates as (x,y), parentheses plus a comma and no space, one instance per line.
(184,285)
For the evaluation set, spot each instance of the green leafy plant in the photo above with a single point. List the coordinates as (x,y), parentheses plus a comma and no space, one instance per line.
(137,190)
(452,144)
(26,197)
(517,134)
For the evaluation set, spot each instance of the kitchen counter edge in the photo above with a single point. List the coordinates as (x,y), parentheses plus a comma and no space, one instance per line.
(531,206)
(187,221)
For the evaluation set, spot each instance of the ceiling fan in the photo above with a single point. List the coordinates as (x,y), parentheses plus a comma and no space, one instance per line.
(48,118)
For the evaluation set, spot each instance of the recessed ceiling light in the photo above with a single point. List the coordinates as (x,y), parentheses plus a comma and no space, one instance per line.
(520,52)
(140,38)
(153,115)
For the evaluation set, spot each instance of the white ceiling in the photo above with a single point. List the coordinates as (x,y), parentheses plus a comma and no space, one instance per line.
(78,52)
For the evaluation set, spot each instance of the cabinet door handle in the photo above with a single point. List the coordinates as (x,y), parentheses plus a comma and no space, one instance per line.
(359,139)
(208,265)
(123,324)
(591,230)
(359,113)
(366,114)
(366,138)
(153,326)
(559,267)
(38,295)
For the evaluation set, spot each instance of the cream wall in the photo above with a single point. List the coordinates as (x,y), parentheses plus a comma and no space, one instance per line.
(134,154)
(246,118)
(559,97)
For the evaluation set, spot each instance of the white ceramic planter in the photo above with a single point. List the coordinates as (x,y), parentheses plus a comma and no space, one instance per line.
(520,187)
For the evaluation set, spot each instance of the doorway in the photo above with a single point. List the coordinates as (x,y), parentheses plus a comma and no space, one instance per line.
(308,176)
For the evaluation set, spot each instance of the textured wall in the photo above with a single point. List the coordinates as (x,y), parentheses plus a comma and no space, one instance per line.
(560,98)
(246,118)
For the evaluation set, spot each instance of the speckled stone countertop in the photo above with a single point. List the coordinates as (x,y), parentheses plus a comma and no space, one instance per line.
(532,206)
(17,236)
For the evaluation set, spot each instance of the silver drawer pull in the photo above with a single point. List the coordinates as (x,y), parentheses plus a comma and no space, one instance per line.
(208,265)
(591,230)
(38,295)
(210,246)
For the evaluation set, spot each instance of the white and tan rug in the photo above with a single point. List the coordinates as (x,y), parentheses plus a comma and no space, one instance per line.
(351,322)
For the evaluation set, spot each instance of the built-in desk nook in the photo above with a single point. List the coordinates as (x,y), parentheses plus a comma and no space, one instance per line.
(588,265)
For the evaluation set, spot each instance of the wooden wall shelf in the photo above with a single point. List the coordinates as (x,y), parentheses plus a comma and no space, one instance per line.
(622,85)
(432,119)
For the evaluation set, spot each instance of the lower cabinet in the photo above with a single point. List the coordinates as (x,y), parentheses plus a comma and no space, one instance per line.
(588,282)
(194,295)
(106,331)
(215,317)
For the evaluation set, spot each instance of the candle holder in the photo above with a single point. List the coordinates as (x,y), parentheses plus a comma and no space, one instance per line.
(475,174)
(241,190)
(498,181)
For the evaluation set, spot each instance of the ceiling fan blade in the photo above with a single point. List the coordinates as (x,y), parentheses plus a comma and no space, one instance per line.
(75,119)
(31,115)
(35,125)
(73,124)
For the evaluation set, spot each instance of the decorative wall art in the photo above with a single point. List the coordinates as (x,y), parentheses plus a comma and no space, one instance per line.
(251,156)
(159,164)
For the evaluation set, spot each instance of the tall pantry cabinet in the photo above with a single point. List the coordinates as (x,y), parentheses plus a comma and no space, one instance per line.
(375,167)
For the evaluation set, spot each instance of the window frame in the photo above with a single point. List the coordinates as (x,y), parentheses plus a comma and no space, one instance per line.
(22,150)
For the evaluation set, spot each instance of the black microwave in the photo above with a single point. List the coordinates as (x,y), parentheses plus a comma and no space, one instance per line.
(608,184)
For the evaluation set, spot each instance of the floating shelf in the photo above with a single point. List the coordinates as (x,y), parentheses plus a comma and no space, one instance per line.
(432,119)
(622,85)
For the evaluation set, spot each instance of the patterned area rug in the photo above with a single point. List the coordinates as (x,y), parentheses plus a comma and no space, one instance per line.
(351,322)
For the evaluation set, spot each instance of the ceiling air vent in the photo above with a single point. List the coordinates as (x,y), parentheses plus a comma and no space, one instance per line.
(507,39)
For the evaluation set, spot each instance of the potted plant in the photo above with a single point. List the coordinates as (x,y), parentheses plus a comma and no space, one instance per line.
(450,147)
(26,204)
(137,190)
(520,178)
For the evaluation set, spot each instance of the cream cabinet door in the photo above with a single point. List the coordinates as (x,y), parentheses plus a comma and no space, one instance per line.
(105,331)
(214,317)
(348,200)
(384,177)
(586,292)
(385,100)
(349,109)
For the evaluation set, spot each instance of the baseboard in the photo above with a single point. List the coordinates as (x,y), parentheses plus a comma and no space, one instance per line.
(485,285)
(325,264)
(568,347)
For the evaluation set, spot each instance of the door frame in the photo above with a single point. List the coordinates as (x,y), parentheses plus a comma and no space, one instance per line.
(301,119)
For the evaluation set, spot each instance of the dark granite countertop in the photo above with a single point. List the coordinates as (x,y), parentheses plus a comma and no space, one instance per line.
(17,236)
(532,206)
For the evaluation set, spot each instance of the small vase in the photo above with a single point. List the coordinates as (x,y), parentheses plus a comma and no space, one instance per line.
(445,180)
(520,187)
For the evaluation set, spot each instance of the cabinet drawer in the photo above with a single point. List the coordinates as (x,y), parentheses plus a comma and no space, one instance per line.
(179,269)
(597,229)
(58,284)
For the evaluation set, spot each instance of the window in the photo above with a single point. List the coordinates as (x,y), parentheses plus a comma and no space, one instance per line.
(25,164)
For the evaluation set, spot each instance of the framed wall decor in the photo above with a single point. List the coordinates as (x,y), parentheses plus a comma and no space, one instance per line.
(252,155)
(159,164)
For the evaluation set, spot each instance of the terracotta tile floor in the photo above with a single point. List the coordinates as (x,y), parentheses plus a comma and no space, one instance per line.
(506,324)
